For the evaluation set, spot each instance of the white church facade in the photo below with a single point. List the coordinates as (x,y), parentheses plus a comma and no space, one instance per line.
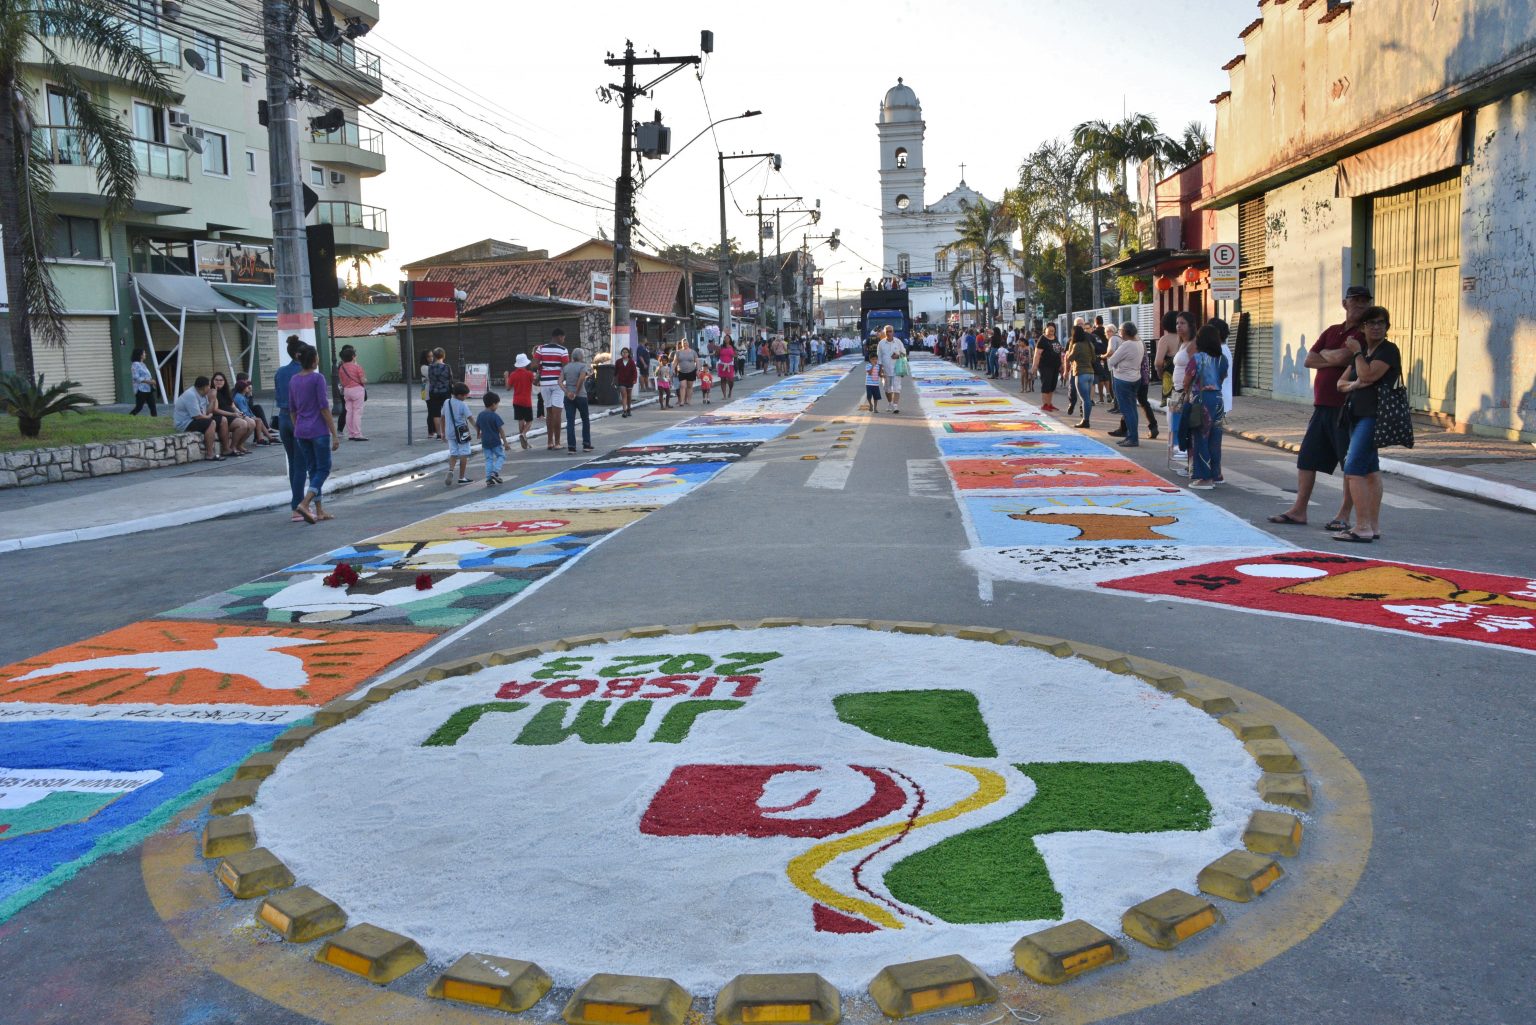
(913,233)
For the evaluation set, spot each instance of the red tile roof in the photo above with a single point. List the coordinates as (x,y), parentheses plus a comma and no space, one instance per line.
(655,292)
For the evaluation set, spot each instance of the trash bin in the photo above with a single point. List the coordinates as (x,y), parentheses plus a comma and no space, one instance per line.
(607,394)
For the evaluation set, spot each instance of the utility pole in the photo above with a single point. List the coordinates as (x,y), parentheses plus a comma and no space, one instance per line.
(778,263)
(624,186)
(290,254)
(724,254)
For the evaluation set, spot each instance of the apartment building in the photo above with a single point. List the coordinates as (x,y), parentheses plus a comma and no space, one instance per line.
(189,271)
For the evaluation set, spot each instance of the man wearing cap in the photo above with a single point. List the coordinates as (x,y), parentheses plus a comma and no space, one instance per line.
(521,381)
(1325,443)
(552,357)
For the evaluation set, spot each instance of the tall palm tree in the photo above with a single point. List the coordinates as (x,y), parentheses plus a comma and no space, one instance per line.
(102,41)
(1192,146)
(1029,220)
(1132,139)
(985,237)
(1056,181)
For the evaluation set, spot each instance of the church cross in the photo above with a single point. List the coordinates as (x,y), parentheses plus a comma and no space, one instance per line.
(962,173)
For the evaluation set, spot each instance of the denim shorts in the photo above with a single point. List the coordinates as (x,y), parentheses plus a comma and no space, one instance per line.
(1361,459)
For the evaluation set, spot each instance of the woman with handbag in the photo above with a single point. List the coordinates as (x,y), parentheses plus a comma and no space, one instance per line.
(1376,406)
(1203,410)
(353,381)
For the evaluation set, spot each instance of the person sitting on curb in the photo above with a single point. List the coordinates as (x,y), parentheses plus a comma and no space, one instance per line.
(190,414)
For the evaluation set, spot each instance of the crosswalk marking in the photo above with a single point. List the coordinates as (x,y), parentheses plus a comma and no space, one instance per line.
(831,474)
(1334,483)
(741,472)
(1252,485)
(926,478)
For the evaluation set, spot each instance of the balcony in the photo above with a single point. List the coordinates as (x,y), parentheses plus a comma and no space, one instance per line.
(157,160)
(162,46)
(359,228)
(65,146)
(351,146)
(356,72)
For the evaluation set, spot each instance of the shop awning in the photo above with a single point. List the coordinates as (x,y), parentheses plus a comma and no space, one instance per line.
(262,297)
(1152,261)
(183,292)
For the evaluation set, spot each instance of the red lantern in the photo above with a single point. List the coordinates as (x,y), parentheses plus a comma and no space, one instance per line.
(1192,276)
(1164,284)
(1139,285)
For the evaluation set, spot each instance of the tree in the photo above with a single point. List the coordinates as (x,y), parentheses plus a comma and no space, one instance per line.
(1133,138)
(93,132)
(1192,146)
(1055,181)
(985,239)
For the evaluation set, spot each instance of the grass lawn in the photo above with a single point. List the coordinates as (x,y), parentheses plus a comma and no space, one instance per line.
(88,428)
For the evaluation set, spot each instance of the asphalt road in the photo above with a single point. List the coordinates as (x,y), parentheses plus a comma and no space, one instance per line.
(1435,929)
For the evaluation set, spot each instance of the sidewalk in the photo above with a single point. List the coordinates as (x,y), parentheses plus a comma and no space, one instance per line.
(1483,468)
(87,510)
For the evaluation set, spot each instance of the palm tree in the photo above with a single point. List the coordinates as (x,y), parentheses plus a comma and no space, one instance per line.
(1192,146)
(1056,182)
(104,42)
(985,237)
(1030,225)
(1133,138)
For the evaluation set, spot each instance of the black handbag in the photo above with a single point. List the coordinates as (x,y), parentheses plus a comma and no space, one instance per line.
(1394,419)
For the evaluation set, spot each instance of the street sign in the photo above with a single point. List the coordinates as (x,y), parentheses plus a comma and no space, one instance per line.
(706,288)
(478,377)
(1224,279)
(600,288)
(1039,309)
(432,299)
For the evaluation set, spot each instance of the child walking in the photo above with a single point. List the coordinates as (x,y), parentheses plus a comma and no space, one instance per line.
(456,429)
(493,439)
(523,381)
(872,383)
(706,382)
(664,380)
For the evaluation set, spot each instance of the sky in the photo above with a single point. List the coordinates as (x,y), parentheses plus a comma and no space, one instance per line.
(994,78)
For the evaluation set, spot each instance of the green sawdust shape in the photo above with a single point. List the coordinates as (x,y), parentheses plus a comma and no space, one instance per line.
(548,724)
(680,718)
(458,723)
(945,720)
(995,873)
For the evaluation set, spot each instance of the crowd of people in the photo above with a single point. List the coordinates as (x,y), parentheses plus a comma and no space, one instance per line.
(1190,367)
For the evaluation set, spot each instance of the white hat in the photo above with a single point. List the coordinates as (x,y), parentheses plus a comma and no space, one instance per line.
(522,360)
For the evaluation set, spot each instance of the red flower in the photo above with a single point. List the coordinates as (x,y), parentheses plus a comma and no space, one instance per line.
(344,575)
(424,582)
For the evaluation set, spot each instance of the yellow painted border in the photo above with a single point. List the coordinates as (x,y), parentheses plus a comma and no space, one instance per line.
(184,892)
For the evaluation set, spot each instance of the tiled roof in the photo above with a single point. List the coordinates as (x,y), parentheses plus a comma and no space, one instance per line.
(655,292)
(358,327)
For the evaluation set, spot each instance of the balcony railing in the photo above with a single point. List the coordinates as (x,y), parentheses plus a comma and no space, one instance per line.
(352,134)
(353,215)
(157,160)
(63,144)
(348,56)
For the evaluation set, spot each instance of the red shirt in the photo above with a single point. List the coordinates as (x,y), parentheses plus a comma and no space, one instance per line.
(1325,382)
(625,372)
(522,387)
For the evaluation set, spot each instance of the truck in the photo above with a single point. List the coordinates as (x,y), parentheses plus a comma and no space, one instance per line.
(879,308)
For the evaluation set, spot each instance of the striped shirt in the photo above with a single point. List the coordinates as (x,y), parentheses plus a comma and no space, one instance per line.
(551,358)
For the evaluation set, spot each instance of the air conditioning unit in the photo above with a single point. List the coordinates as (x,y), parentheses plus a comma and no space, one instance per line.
(170,10)
(179,119)
(337,178)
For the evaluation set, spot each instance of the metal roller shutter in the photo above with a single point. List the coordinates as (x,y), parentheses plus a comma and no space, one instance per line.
(85,356)
(1413,265)
(1256,360)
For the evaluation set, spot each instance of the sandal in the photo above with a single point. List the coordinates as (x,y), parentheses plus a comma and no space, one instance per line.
(1334,526)
(1351,536)
(1286,517)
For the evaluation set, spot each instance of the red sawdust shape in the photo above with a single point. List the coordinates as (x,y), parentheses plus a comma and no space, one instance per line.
(828,920)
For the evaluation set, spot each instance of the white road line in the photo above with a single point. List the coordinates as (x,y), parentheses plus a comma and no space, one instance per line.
(1252,484)
(1388,499)
(926,478)
(740,472)
(831,474)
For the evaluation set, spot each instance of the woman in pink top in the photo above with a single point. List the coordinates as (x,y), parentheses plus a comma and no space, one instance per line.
(353,380)
(727,368)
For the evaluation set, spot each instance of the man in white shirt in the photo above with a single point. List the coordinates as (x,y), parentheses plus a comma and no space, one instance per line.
(190,414)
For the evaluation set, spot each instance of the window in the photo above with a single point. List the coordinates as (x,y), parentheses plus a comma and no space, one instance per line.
(903,264)
(75,238)
(903,201)
(148,122)
(901,156)
(215,153)
(317,176)
(246,74)
(250,161)
(211,49)
(941,262)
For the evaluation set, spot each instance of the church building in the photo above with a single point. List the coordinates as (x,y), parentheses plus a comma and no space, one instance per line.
(912,232)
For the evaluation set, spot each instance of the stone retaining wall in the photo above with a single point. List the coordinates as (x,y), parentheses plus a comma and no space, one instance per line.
(77,462)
